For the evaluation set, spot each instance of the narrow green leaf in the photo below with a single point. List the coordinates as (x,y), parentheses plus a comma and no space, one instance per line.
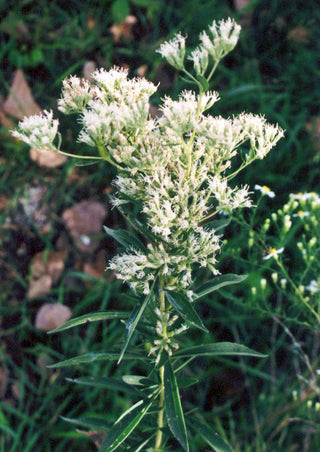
(104,382)
(125,238)
(186,310)
(173,406)
(218,224)
(125,425)
(217,349)
(92,357)
(143,444)
(87,318)
(186,382)
(134,319)
(79,162)
(217,283)
(88,422)
(137,380)
(210,436)
(203,82)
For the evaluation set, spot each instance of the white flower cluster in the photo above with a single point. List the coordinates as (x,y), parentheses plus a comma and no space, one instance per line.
(175,169)
(223,39)
(38,131)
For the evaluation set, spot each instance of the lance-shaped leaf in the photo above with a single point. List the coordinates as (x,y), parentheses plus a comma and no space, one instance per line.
(125,425)
(104,383)
(134,319)
(217,225)
(125,238)
(92,357)
(217,283)
(217,349)
(88,422)
(87,318)
(210,436)
(186,310)
(137,380)
(173,406)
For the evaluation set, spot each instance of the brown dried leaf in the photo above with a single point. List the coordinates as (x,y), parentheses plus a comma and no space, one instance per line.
(88,68)
(84,220)
(51,263)
(47,158)
(52,315)
(240,4)
(14,26)
(124,29)
(3,381)
(20,101)
(298,35)
(96,269)
(39,287)
(313,127)
(96,437)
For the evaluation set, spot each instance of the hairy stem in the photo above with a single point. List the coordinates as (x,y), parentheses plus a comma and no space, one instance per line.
(160,420)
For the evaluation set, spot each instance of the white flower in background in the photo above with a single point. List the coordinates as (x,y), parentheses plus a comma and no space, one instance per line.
(313,287)
(38,131)
(273,252)
(223,38)
(301,214)
(174,51)
(265,190)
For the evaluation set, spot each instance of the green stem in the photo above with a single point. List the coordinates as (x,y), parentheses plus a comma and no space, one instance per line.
(160,420)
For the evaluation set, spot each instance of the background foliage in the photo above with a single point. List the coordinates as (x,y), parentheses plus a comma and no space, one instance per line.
(272,405)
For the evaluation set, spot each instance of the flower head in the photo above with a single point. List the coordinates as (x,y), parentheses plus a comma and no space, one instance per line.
(38,131)
(174,51)
(265,190)
(273,252)
(224,37)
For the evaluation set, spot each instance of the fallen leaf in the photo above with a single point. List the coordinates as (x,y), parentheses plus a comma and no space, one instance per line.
(124,29)
(240,4)
(47,158)
(46,269)
(298,35)
(51,263)
(3,202)
(96,437)
(32,207)
(20,101)
(83,221)
(88,68)
(96,269)
(39,287)
(52,315)
(142,70)
(313,127)
(3,382)
(13,25)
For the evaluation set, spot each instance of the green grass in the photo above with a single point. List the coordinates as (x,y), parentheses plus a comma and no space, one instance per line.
(252,404)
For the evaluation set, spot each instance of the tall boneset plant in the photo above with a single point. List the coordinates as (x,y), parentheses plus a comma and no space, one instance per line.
(174,187)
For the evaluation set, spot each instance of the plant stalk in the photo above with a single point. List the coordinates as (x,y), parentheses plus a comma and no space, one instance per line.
(160,420)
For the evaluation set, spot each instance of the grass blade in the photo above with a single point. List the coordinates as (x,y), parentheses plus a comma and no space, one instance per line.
(210,436)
